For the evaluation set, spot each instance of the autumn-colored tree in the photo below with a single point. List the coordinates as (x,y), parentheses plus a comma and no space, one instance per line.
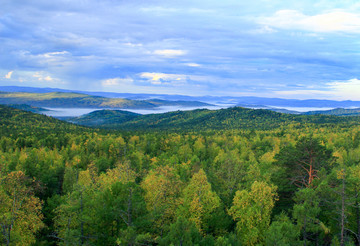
(199,201)
(162,189)
(252,210)
(20,210)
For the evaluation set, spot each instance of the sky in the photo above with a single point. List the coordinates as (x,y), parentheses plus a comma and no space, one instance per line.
(268,48)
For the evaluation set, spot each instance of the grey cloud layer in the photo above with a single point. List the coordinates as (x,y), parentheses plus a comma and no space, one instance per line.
(213,47)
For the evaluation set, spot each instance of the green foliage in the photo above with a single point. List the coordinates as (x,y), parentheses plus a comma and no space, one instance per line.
(282,232)
(193,185)
(338,112)
(20,210)
(182,232)
(199,201)
(252,210)
(203,119)
(306,213)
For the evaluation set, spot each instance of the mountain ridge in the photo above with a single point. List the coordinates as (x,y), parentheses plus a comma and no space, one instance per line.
(232,100)
(201,119)
(77,100)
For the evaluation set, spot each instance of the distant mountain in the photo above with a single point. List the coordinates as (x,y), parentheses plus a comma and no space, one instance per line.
(337,112)
(77,100)
(201,119)
(251,101)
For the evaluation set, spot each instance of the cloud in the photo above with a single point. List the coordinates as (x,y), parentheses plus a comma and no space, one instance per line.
(263,30)
(41,76)
(337,90)
(53,54)
(8,75)
(346,89)
(170,53)
(335,21)
(133,45)
(163,78)
(193,65)
(116,82)
(303,94)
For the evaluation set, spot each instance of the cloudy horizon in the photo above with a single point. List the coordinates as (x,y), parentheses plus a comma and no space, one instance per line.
(292,49)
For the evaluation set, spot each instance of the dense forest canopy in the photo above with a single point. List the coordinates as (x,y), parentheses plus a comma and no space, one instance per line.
(294,183)
(204,119)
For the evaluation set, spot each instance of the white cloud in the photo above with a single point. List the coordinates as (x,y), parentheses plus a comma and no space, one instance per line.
(57,53)
(346,90)
(163,78)
(337,90)
(116,82)
(264,30)
(193,65)
(335,21)
(304,94)
(174,79)
(8,75)
(132,44)
(41,76)
(170,53)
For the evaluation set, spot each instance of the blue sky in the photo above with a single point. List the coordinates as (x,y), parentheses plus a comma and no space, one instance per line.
(271,48)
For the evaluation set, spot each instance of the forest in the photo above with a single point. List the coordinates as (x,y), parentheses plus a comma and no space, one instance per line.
(294,183)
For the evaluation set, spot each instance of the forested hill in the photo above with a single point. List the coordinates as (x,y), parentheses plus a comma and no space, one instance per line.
(78,100)
(27,127)
(337,111)
(105,118)
(203,119)
(63,184)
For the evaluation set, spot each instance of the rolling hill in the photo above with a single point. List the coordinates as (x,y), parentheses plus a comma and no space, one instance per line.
(104,118)
(18,123)
(77,100)
(202,119)
(337,112)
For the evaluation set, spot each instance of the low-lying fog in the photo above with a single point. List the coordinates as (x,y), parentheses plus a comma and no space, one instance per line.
(74,112)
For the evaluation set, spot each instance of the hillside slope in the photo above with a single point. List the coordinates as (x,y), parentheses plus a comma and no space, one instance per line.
(337,112)
(77,100)
(26,127)
(203,119)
